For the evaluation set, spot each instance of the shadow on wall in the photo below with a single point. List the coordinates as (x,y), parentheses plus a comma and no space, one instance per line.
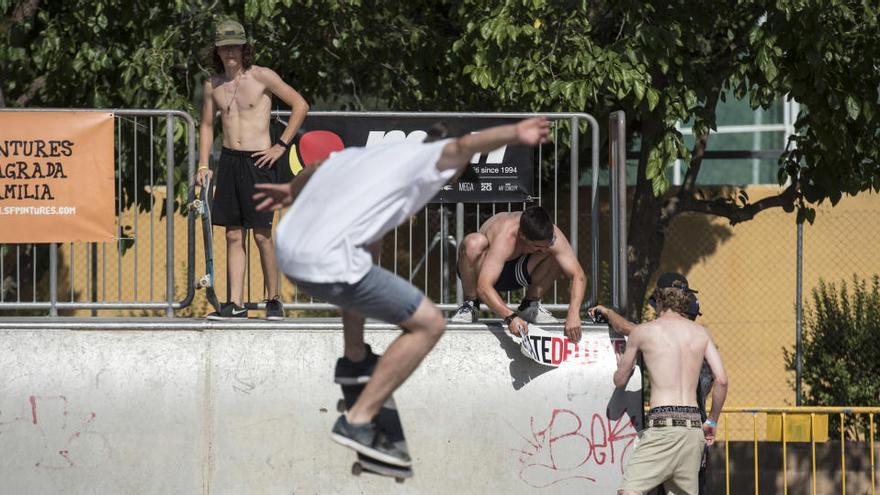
(522,369)
(704,238)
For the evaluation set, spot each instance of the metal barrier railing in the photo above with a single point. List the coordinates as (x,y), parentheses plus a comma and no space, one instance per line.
(815,413)
(429,232)
(92,282)
(424,248)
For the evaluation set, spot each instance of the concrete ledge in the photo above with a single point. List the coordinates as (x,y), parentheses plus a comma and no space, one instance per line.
(104,405)
(196,324)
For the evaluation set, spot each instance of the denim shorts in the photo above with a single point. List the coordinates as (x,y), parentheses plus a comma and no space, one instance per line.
(380,295)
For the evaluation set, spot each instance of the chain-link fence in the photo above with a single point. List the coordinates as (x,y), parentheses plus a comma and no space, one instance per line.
(747,281)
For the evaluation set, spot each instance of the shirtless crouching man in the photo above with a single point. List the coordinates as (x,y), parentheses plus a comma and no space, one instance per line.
(242,92)
(513,250)
(670,448)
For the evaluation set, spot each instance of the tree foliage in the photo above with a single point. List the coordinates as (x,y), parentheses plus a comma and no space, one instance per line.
(841,340)
(671,62)
(661,62)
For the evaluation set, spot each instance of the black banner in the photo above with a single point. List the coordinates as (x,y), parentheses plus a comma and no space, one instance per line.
(503,175)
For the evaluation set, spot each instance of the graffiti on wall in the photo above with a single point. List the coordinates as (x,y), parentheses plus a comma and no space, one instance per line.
(566,447)
(51,435)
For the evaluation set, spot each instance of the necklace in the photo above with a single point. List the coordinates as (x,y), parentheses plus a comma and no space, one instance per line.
(232,98)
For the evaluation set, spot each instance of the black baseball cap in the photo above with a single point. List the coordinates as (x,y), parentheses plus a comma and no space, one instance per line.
(669,279)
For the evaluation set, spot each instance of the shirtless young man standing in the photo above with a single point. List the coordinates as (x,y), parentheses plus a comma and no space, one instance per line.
(513,250)
(671,447)
(242,92)
(343,206)
(624,327)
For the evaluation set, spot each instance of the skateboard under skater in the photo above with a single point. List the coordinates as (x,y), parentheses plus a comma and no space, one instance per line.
(388,421)
(202,206)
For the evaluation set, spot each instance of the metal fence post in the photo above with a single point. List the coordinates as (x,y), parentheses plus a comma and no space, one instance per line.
(53,279)
(799,319)
(573,181)
(594,216)
(169,214)
(459,236)
(617,142)
(620,233)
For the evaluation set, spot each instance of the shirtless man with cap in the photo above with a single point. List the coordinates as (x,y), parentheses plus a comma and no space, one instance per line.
(624,327)
(242,93)
(671,447)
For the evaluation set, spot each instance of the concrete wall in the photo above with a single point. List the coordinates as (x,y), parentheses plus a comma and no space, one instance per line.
(193,407)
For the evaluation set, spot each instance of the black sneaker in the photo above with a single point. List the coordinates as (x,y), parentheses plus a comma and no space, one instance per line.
(349,372)
(274,309)
(370,441)
(229,311)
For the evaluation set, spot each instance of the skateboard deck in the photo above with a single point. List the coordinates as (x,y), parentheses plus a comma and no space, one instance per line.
(202,206)
(389,421)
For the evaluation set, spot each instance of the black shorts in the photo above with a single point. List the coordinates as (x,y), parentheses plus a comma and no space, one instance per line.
(514,275)
(233,204)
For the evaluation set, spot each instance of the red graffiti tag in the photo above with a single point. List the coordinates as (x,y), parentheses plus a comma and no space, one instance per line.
(67,438)
(567,449)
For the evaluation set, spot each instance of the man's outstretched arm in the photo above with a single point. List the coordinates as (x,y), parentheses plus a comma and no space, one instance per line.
(458,152)
(620,324)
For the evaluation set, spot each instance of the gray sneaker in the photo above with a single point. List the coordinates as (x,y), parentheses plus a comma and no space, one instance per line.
(370,441)
(537,314)
(466,313)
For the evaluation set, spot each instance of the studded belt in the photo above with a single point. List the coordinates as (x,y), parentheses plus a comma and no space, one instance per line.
(663,422)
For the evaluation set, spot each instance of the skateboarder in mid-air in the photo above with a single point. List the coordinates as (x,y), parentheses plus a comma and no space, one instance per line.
(343,205)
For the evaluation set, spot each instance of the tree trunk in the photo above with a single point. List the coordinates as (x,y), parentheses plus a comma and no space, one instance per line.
(646,233)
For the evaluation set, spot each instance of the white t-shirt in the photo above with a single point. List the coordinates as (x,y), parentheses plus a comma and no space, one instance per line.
(356,196)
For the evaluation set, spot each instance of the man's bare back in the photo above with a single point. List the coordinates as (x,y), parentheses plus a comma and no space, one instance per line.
(673,348)
(502,228)
(513,250)
(245,104)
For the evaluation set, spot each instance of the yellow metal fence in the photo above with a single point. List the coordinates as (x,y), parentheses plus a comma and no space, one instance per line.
(851,423)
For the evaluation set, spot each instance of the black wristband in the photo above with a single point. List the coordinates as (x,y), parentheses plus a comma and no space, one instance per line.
(281,142)
(509,318)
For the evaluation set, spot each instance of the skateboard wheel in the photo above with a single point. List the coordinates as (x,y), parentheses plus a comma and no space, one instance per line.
(196,205)
(357,469)
(399,480)
(204,281)
(340,405)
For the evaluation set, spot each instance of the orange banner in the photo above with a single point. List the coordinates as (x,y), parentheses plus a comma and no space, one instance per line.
(56,177)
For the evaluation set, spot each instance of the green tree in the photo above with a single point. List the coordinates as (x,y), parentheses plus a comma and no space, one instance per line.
(149,54)
(669,62)
(840,329)
(661,62)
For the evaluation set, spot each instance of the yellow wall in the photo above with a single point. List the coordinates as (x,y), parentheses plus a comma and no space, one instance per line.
(137,264)
(745,275)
